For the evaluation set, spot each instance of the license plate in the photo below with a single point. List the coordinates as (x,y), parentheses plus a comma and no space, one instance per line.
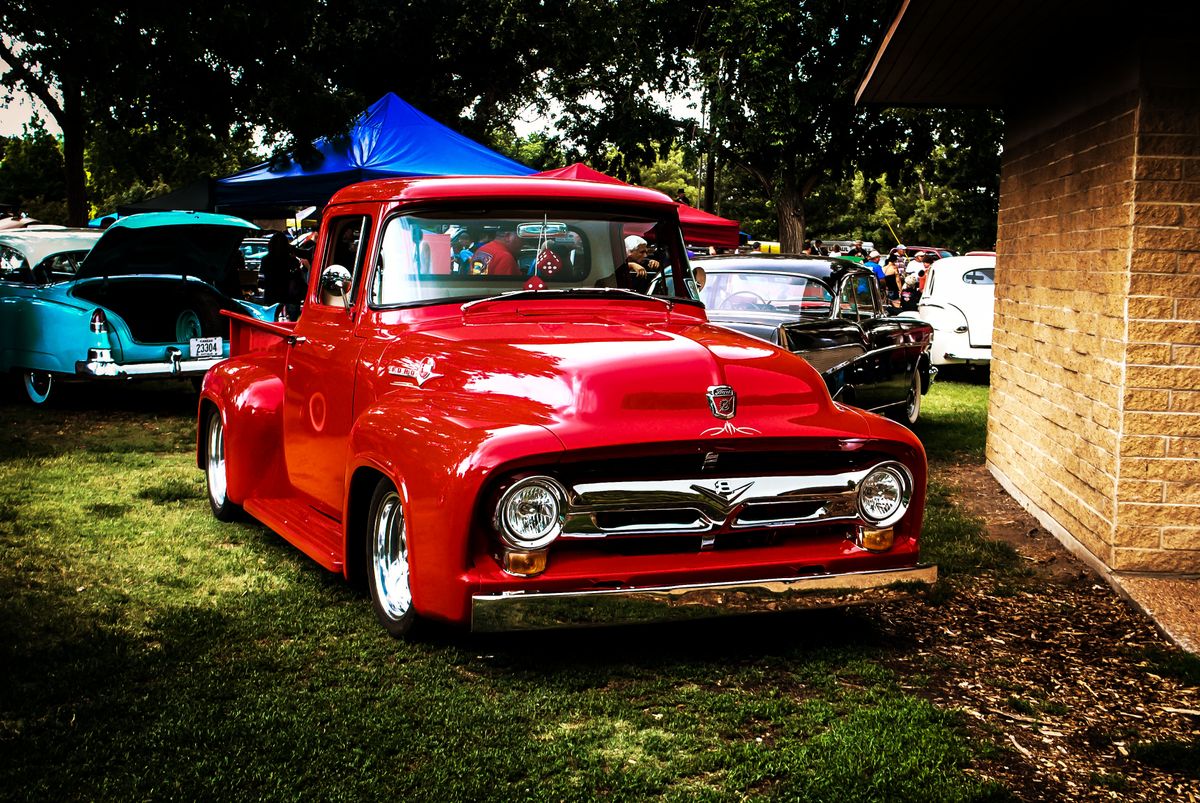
(199,347)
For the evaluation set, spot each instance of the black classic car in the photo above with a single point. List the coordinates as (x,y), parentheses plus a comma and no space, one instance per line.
(832,312)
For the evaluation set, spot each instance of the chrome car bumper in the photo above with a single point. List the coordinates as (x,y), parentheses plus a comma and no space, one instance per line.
(519,610)
(175,365)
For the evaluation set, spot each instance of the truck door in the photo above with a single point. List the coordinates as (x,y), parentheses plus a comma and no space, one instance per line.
(321,365)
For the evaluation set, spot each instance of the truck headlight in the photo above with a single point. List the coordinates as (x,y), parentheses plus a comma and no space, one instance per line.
(531,513)
(884,494)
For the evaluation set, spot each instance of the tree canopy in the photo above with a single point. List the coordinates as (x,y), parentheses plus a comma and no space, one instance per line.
(153,96)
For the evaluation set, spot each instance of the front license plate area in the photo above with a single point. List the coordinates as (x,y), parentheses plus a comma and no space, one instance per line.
(201,347)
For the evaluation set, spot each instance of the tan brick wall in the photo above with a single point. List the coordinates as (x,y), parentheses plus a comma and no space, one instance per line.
(1058,349)
(1095,401)
(1158,497)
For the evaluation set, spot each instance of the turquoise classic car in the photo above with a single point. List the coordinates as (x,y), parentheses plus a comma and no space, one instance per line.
(142,300)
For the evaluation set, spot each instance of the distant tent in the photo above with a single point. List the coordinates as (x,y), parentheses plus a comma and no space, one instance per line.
(699,227)
(390,139)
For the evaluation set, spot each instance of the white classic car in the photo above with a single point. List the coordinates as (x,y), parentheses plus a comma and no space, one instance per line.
(958,299)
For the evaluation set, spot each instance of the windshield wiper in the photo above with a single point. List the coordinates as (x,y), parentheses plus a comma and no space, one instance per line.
(569,291)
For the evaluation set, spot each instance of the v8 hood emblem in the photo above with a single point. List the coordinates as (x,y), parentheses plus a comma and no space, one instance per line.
(723,491)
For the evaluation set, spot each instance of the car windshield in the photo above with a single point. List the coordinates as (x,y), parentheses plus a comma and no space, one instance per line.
(766,292)
(431,257)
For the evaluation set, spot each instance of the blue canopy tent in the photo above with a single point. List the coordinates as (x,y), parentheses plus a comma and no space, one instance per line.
(390,139)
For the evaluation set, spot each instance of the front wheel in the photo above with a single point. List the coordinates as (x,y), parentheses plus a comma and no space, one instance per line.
(37,385)
(388,572)
(215,470)
(910,411)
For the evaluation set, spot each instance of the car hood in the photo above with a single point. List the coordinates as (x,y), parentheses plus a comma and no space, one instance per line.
(604,381)
(168,243)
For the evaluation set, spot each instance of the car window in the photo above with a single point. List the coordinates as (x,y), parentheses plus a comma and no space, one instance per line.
(479,253)
(865,296)
(980,276)
(766,292)
(60,267)
(345,245)
(848,303)
(13,266)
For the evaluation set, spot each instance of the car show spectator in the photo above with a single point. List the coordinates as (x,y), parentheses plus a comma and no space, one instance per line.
(872,262)
(891,279)
(498,257)
(283,276)
(632,273)
(857,250)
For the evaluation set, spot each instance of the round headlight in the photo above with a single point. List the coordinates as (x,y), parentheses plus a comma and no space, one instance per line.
(531,513)
(884,494)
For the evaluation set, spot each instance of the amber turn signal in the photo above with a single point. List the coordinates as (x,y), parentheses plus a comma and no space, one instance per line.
(877,540)
(525,564)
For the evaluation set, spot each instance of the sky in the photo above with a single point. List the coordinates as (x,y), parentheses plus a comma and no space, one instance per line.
(20,111)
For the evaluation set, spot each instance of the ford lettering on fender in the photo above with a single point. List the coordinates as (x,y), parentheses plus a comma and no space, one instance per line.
(541,446)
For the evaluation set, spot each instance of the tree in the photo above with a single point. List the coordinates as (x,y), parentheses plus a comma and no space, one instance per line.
(780,78)
(31,173)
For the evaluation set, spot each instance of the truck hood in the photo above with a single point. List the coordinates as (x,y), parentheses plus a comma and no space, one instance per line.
(596,380)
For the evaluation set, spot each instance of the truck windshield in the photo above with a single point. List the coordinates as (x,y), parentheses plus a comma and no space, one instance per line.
(446,255)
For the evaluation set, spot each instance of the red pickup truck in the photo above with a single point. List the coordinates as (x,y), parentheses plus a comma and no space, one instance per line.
(477,419)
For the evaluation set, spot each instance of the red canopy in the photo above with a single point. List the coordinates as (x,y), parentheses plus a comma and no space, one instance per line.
(699,227)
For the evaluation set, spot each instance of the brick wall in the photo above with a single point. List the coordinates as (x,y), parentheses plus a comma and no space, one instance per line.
(1095,402)
(1158,494)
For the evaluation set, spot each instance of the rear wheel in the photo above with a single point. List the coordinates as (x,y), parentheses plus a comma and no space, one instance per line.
(215,470)
(388,571)
(910,411)
(38,386)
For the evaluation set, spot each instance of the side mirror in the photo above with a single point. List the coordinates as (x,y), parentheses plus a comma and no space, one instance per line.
(335,283)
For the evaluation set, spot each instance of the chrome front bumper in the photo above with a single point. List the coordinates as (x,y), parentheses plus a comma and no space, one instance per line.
(175,365)
(520,610)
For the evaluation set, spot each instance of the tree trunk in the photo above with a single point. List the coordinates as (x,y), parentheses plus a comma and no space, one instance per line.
(789,206)
(73,144)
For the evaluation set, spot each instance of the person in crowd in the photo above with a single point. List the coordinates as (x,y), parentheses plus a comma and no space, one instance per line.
(835,250)
(819,249)
(230,280)
(901,255)
(283,276)
(498,257)
(632,273)
(460,251)
(856,250)
(700,276)
(891,280)
(872,262)
(755,248)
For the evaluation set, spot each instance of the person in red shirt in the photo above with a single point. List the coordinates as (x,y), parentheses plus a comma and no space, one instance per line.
(498,257)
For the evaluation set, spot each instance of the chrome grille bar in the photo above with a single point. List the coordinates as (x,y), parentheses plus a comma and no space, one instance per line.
(701,505)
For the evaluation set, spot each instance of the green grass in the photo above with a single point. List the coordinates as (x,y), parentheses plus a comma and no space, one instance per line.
(148,651)
(953,423)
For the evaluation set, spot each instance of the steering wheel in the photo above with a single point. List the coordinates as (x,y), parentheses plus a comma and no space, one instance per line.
(756,301)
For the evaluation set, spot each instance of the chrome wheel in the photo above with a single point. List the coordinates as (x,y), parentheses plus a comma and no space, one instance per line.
(187,326)
(215,470)
(389,576)
(390,562)
(912,403)
(38,385)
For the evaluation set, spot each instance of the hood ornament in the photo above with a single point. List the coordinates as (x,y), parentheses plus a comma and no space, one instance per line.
(420,371)
(722,401)
(723,491)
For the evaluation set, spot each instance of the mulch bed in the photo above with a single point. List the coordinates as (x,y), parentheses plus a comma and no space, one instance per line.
(1055,670)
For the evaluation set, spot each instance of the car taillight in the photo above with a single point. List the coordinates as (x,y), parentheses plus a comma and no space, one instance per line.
(99,322)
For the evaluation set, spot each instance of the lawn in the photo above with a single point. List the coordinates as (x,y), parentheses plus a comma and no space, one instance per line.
(152,652)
